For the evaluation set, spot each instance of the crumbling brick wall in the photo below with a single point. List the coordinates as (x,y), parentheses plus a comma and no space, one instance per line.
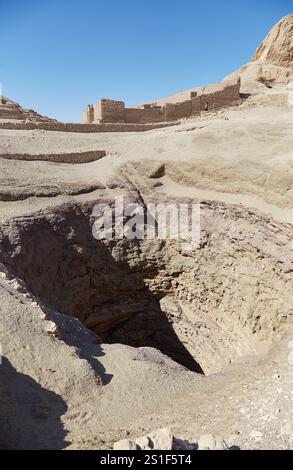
(178,110)
(115,111)
(75,158)
(98,112)
(144,115)
(220,99)
(112,111)
(89,114)
(85,128)
(196,106)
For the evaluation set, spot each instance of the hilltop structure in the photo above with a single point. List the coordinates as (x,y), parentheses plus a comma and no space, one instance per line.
(204,99)
(271,63)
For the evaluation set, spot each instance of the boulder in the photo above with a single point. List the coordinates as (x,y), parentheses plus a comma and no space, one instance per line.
(210,442)
(162,439)
(124,444)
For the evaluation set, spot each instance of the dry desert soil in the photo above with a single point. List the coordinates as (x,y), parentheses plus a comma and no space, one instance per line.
(104,340)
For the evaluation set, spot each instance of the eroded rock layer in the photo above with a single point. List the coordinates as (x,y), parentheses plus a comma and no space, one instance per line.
(11,111)
(204,308)
(277,48)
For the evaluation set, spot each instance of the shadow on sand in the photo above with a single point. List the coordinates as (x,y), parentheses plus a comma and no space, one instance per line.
(30,415)
(86,342)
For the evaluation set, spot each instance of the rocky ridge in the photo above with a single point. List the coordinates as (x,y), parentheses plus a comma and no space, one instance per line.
(273,59)
(11,111)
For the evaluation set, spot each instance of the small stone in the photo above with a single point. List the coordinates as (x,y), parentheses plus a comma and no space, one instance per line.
(124,444)
(143,443)
(210,442)
(179,444)
(157,171)
(51,327)
(162,439)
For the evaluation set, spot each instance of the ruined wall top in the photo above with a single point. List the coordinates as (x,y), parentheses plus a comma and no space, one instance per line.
(196,101)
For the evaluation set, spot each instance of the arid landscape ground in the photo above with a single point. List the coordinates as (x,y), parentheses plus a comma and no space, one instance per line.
(116,339)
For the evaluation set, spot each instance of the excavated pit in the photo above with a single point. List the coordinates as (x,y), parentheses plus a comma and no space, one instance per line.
(205,309)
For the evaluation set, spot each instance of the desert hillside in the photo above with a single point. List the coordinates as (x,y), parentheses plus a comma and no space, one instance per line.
(272,61)
(114,339)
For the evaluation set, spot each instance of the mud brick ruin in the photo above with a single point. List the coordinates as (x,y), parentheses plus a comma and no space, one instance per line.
(11,111)
(206,99)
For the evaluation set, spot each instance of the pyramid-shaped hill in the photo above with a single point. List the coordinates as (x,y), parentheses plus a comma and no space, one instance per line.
(11,112)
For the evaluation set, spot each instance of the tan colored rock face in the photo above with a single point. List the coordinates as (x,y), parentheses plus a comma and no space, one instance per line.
(273,59)
(204,309)
(277,48)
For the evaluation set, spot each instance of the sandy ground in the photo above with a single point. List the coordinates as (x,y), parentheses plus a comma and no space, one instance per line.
(247,152)
(57,400)
(223,308)
(241,157)
(176,190)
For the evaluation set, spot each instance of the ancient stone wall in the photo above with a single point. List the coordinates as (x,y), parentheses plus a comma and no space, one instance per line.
(97,112)
(196,105)
(112,111)
(6,113)
(73,158)
(144,115)
(219,96)
(178,110)
(13,111)
(89,114)
(84,128)
(219,99)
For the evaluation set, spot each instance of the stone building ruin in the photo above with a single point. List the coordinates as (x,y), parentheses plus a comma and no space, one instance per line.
(205,99)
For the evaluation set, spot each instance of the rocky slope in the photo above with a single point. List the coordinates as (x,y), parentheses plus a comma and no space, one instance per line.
(273,60)
(154,294)
(228,302)
(272,64)
(11,111)
(117,317)
(277,48)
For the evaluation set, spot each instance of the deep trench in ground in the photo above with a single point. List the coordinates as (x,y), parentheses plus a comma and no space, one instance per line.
(69,271)
(126,291)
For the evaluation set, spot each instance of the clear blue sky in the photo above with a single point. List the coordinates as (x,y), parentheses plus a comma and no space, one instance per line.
(59,55)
